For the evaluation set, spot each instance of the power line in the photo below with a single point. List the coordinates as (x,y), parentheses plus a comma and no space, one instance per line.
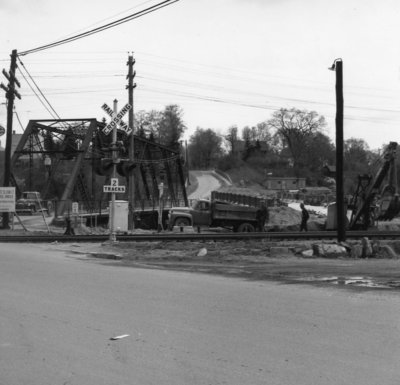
(41,93)
(33,90)
(103,27)
(19,120)
(107,18)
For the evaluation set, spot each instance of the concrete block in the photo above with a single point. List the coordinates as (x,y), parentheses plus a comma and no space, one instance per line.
(387,251)
(367,247)
(308,254)
(328,250)
(356,251)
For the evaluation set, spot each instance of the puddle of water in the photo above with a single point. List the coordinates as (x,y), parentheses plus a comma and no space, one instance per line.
(351,281)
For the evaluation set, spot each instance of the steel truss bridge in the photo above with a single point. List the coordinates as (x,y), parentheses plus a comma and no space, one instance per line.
(70,160)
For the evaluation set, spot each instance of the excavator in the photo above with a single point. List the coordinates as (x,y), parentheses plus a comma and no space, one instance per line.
(376,198)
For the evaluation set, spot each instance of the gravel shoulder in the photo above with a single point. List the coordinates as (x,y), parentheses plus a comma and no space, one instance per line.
(248,260)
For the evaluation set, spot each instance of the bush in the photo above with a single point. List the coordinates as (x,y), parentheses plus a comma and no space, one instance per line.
(229,162)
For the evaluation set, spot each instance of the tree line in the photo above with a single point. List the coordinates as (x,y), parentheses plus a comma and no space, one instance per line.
(291,143)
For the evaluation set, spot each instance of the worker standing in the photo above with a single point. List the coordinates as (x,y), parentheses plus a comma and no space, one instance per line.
(262,216)
(304,217)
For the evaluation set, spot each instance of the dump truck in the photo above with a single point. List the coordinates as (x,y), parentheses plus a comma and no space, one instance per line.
(206,213)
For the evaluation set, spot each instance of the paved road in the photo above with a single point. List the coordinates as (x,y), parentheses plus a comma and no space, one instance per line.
(207,182)
(58,311)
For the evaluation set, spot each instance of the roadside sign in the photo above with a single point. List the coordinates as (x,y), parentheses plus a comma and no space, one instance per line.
(114,187)
(75,208)
(116,118)
(7,199)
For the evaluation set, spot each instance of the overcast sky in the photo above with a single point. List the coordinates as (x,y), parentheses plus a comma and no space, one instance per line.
(225,62)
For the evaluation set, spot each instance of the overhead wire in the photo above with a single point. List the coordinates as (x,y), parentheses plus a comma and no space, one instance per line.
(37,87)
(125,19)
(19,120)
(107,18)
(36,94)
(197,96)
(219,87)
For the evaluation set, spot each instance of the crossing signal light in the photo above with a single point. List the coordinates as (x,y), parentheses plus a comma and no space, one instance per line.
(125,168)
(104,166)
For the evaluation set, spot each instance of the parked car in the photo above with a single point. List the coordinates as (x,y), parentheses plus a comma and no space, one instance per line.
(30,203)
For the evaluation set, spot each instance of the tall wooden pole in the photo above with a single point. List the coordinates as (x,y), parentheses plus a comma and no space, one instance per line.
(341,215)
(10,94)
(131,178)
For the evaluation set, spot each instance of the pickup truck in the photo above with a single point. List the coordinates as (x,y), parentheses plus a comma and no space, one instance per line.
(218,214)
(30,203)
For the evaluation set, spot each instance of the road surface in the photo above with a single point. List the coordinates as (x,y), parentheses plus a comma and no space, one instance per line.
(58,311)
(207,181)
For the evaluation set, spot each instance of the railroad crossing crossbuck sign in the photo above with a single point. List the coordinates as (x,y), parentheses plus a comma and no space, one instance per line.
(116,119)
(114,187)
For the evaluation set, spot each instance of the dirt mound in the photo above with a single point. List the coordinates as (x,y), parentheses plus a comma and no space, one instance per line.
(284,218)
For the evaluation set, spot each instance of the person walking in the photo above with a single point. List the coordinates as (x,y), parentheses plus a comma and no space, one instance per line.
(262,217)
(304,217)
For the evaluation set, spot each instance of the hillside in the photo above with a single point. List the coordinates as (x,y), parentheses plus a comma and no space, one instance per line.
(248,181)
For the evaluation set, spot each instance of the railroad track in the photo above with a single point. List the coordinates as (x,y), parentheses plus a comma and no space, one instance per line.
(193,237)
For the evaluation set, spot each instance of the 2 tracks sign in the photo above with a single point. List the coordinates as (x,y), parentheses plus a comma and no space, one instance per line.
(114,187)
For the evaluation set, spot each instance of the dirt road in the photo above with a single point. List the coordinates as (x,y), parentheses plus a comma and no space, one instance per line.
(207,181)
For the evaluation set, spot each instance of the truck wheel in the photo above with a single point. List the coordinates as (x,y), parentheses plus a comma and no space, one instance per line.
(180,222)
(246,228)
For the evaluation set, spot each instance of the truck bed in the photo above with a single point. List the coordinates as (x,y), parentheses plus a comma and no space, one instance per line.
(234,212)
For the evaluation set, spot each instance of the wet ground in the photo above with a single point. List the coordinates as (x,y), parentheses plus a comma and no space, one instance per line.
(253,261)
(243,259)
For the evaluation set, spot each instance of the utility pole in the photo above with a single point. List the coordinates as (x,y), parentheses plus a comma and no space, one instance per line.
(340,209)
(113,237)
(131,178)
(11,93)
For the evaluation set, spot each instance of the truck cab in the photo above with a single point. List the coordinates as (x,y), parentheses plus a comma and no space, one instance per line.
(199,214)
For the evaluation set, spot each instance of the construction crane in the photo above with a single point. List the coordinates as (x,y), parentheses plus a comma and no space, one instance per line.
(373,200)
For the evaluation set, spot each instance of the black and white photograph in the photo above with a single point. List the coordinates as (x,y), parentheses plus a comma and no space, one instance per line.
(198,192)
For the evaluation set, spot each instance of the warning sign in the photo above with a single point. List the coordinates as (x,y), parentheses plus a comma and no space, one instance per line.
(114,187)
(7,199)
(116,118)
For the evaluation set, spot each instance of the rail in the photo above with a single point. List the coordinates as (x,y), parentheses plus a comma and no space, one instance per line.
(198,237)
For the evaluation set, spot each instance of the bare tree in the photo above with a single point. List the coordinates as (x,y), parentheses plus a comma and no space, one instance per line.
(295,127)
(232,137)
